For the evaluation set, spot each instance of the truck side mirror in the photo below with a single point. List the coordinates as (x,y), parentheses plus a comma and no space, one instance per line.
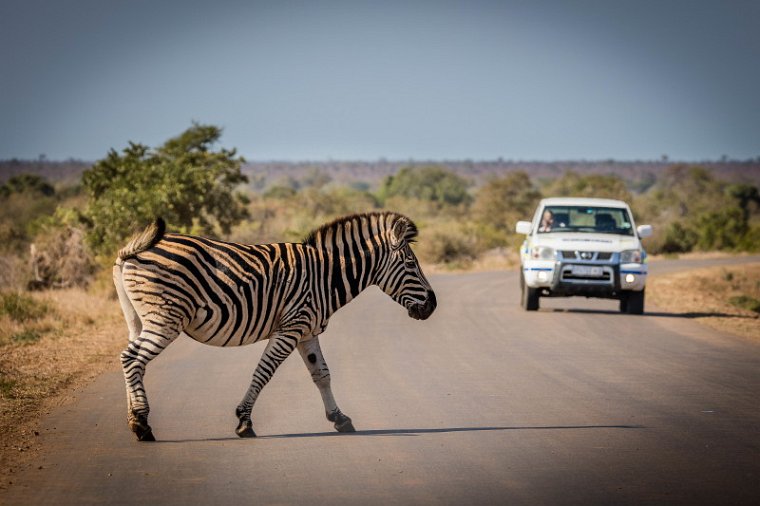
(644,230)
(523,227)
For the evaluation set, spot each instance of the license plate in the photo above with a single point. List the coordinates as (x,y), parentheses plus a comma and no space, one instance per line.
(587,270)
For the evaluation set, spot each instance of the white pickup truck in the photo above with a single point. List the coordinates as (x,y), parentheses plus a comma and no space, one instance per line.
(583,246)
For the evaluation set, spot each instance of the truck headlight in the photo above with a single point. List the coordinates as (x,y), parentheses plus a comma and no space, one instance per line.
(542,253)
(630,256)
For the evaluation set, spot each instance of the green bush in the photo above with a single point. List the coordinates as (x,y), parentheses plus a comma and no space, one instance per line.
(501,203)
(21,308)
(678,239)
(27,183)
(694,210)
(431,183)
(21,205)
(455,246)
(27,336)
(721,229)
(751,240)
(7,386)
(746,302)
(280,192)
(572,184)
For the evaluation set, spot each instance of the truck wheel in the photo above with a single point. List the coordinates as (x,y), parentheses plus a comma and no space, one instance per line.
(529,298)
(635,302)
(624,302)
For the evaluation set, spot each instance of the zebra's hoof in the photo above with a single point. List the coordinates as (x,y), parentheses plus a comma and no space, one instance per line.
(247,432)
(146,436)
(143,432)
(139,425)
(345,425)
(245,429)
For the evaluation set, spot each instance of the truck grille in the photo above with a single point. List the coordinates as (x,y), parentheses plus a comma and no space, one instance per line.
(586,255)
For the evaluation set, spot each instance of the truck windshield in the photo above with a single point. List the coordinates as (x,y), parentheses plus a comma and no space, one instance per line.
(600,220)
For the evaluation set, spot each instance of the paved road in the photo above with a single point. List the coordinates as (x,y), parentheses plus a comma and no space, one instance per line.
(481,404)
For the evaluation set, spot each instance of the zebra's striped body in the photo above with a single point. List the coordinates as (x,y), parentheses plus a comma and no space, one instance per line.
(226,294)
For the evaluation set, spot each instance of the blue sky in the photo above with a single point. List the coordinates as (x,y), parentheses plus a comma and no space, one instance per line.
(314,80)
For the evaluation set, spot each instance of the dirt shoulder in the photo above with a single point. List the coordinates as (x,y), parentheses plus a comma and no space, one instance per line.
(725,298)
(45,360)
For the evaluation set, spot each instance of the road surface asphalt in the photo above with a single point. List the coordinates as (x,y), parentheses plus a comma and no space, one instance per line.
(482,404)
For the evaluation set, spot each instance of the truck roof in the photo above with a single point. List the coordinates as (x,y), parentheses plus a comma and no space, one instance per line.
(582,201)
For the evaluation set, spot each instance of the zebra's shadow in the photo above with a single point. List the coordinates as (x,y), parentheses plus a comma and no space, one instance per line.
(408,432)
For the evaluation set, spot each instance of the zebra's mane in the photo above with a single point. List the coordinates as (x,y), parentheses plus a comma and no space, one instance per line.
(411,229)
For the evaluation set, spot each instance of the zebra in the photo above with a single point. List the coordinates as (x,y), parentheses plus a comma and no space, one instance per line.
(228,294)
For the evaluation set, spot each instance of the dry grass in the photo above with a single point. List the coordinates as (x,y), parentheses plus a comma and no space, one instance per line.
(719,297)
(76,337)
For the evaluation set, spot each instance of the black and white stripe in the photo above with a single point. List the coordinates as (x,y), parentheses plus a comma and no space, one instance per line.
(227,294)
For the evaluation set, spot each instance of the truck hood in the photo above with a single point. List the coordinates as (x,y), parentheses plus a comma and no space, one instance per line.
(573,241)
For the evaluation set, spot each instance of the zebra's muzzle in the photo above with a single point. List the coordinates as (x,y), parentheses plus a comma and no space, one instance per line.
(423,310)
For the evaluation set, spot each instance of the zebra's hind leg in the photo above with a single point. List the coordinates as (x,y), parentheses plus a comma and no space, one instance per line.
(320,374)
(134,359)
(277,350)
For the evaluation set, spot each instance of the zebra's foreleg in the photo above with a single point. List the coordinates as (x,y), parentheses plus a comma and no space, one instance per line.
(312,356)
(277,350)
(133,361)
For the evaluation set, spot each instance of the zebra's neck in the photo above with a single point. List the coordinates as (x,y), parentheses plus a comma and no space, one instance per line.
(346,268)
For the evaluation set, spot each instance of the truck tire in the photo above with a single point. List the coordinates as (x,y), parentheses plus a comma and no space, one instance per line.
(635,302)
(529,296)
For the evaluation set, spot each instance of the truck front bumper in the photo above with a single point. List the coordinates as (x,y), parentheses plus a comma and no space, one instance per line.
(567,278)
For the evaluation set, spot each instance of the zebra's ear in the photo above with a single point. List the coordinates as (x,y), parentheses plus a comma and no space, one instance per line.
(403,231)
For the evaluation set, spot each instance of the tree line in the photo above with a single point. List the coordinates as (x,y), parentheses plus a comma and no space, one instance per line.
(199,188)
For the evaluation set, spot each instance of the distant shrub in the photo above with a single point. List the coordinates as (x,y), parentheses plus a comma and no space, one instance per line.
(500,203)
(27,183)
(27,336)
(279,192)
(332,202)
(19,209)
(751,240)
(692,209)
(433,183)
(451,246)
(677,239)
(7,386)
(721,229)
(59,256)
(21,308)
(746,302)
(572,184)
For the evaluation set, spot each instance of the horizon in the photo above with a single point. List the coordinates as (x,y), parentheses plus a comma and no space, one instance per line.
(668,161)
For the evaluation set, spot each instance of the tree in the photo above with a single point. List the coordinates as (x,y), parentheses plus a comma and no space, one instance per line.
(572,184)
(185,181)
(744,194)
(24,199)
(696,210)
(432,183)
(501,202)
(721,229)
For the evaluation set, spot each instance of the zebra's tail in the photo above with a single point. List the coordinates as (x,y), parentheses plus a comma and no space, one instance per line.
(144,240)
